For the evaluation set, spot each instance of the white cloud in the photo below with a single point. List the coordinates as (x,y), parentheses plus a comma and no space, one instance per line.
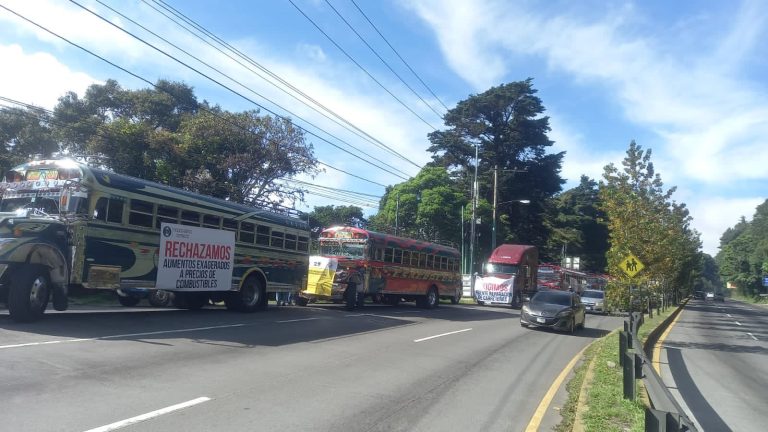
(38,78)
(713,215)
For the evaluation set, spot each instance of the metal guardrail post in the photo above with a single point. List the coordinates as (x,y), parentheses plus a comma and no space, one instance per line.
(639,366)
(623,337)
(630,389)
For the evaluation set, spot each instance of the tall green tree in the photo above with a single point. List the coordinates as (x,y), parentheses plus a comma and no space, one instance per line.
(327,216)
(506,125)
(426,207)
(743,256)
(643,220)
(24,133)
(577,226)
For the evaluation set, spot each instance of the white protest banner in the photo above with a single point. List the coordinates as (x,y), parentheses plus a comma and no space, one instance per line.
(195,259)
(494,290)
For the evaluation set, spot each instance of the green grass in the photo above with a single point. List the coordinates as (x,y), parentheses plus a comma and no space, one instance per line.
(758,300)
(605,408)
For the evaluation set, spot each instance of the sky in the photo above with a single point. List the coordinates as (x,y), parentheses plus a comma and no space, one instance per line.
(686,79)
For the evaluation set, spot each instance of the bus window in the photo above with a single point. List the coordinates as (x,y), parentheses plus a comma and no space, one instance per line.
(262,235)
(290,241)
(246,232)
(430,261)
(303,244)
(388,254)
(422,260)
(191,218)
(443,263)
(398,256)
(210,221)
(414,259)
(166,214)
(277,239)
(230,224)
(140,213)
(406,257)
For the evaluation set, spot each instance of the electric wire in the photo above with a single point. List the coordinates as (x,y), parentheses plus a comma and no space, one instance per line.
(365,42)
(348,196)
(341,121)
(398,55)
(359,65)
(403,175)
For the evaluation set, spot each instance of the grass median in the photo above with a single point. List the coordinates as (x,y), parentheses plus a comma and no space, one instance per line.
(595,392)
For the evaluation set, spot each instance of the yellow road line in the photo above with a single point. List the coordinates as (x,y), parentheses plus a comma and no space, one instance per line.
(657,347)
(538,415)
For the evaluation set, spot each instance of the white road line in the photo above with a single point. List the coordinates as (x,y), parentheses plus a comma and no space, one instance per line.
(441,335)
(737,323)
(149,415)
(127,335)
(752,336)
(729,316)
(297,320)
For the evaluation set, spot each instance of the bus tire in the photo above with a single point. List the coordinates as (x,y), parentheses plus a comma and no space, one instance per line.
(160,298)
(430,301)
(302,301)
(251,297)
(128,301)
(190,300)
(457,297)
(28,294)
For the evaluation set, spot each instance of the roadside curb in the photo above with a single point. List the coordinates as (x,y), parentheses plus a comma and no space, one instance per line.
(653,336)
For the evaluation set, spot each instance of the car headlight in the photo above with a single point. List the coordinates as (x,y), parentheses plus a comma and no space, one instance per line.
(526,310)
(564,313)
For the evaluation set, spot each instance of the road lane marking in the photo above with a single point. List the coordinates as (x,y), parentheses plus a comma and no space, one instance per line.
(149,415)
(655,361)
(538,415)
(752,336)
(737,323)
(122,336)
(441,335)
(729,316)
(297,320)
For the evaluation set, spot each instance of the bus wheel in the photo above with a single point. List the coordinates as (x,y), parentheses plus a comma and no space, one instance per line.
(251,297)
(190,300)
(29,292)
(128,301)
(159,298)
(457,297)
(302,301)
(429,301)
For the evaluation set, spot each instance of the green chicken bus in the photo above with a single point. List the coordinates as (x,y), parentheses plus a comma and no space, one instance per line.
(65,226)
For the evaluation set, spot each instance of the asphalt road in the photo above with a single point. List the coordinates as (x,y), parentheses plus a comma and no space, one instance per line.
(715,360)
(318,368)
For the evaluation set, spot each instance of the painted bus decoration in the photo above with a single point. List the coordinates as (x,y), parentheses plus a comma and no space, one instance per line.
(392,268)
(509,276)
(65,225)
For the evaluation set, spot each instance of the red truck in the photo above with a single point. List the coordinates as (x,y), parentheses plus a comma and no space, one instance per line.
(509,276)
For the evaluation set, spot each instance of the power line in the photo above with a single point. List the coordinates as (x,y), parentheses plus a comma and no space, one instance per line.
(398,55)
(234,91)
(359,65)
(342,195)
(362,39)
(346,124)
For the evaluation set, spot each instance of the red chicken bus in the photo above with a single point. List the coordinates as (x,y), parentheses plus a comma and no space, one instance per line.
(392,268)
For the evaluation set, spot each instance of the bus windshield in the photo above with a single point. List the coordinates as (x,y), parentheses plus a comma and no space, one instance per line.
(344,249)
(45,204)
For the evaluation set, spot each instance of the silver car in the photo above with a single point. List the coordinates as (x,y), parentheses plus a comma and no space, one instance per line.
(594,300)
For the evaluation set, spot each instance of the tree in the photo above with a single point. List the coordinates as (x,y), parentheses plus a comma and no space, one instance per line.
(327,216)
(506,125)
(577,225)
(426,207)
(242,156)
(23,134)
(643,220)
(743,256)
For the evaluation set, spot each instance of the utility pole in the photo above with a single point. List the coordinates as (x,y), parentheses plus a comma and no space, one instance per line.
(463,261)
(495,188)
(472,229)
(397,211)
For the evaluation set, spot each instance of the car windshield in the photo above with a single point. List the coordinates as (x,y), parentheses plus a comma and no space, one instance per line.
(552,297)
(593,294)
(501,268)
(45,204)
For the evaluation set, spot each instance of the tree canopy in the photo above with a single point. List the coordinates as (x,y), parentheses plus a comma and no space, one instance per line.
(743,256)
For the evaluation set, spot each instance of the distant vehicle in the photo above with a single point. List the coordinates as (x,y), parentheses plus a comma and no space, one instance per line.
(698,295)
(509,277)
(710,296)
(551,276)
(558,310)
(594,300)
(719,297)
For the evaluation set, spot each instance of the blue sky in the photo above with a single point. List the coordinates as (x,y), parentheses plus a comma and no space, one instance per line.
(686,79)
